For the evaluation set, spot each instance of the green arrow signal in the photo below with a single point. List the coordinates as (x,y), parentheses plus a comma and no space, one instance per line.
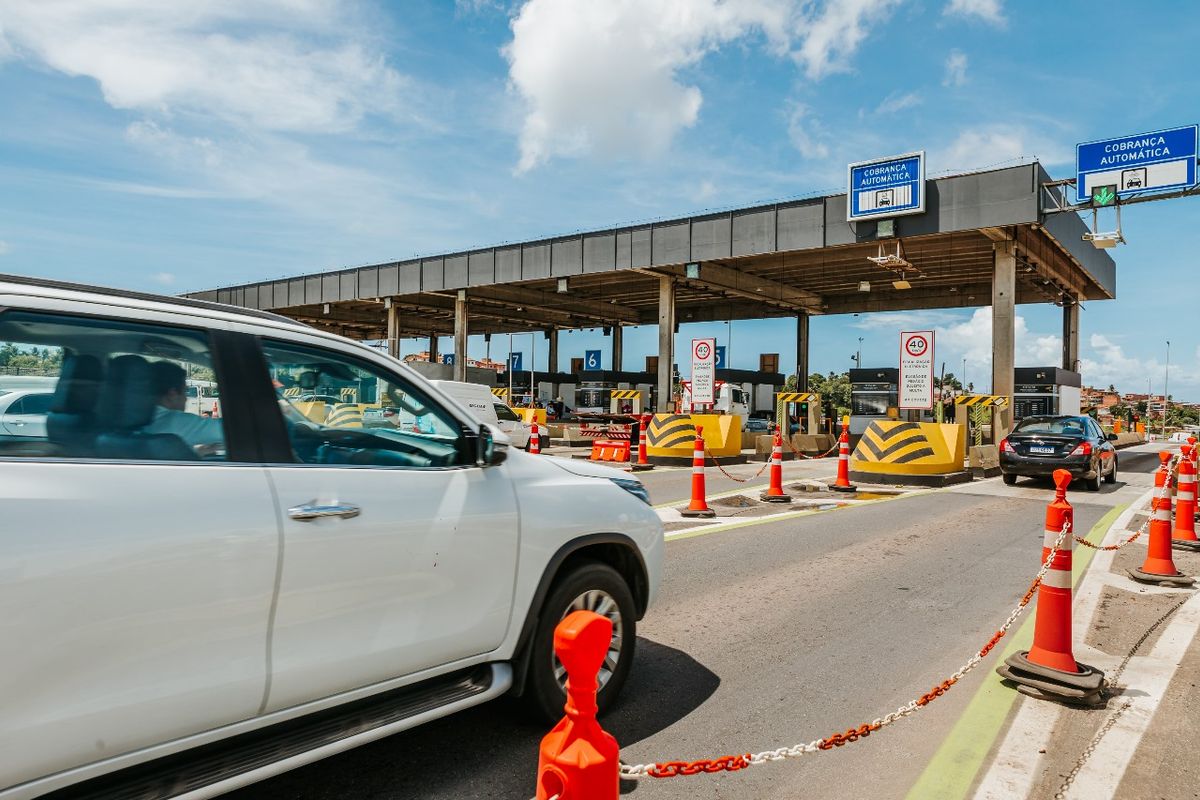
(1104,196)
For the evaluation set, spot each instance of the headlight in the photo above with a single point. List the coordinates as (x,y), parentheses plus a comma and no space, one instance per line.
(635,488)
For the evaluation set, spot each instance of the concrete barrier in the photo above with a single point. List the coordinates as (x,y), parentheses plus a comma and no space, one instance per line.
(1127,439)
(812,444)
(671,437)
(984,460)
(918,453)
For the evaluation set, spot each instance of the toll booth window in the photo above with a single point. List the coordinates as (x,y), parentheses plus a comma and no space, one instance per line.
(342,411)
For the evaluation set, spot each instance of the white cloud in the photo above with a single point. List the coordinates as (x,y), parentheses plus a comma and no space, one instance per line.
(164,278)
(895,102)
(283,65)
(5,248)
(832,35)
(956,69)
(989,11)
(806,133)
(992,145)
(605,77)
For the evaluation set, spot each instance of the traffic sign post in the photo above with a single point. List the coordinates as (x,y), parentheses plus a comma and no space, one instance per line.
(591,360)
(916,370)
(1143,162)
(886,187)
(704,369)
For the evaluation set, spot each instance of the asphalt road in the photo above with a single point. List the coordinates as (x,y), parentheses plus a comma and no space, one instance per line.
(766,636)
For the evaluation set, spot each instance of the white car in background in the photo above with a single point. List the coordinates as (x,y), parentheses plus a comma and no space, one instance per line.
(23,412)
(189,604)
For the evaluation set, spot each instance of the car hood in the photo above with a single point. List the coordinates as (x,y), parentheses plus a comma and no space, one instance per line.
(584,468)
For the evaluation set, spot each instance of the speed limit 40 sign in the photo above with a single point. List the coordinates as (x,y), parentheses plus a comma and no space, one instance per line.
(916,369)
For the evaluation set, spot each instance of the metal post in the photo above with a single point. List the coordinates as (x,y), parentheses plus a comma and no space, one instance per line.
(802,351)
(1004,296)
(460,336)
(433,348)
(666,340)
(618,347)
(1166,389)
(393,329)
(552,357)
(1070,335)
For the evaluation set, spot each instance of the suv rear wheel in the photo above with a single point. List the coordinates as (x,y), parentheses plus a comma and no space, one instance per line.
(590,586)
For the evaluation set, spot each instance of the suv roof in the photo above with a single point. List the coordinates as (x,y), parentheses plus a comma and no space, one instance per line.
(185,302)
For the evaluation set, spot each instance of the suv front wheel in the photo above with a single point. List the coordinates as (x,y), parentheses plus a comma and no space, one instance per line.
(590,586)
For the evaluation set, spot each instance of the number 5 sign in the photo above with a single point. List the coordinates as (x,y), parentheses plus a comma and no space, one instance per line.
(916,369)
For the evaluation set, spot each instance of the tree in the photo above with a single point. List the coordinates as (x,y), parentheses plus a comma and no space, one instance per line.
(834,389)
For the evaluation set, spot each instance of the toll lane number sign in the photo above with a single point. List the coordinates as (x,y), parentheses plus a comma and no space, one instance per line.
(916,369)
(704,370)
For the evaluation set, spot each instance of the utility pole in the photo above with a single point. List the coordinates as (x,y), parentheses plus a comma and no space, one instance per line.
(858,354)
(1166,386)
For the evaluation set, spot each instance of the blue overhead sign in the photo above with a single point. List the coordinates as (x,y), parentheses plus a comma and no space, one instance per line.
(514,361)
(448,358)
(886,187)
(720,356)
(591,360)
(1158,160)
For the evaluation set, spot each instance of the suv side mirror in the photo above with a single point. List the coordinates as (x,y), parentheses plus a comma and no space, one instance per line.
(489,450)
(1112,437)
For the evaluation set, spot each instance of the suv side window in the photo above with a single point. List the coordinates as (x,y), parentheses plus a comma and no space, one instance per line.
(342,411)
(115,389)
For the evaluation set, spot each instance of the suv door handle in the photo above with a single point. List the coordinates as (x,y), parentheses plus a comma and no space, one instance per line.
(310,511)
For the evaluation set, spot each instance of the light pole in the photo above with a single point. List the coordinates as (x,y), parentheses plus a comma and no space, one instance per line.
(1166,386)
(963,379)
(858,354)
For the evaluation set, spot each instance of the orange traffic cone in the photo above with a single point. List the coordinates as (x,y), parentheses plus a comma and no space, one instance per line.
(774,493)
(535,440)
(643,431)
(1049,670)
(1159,567)
(1184,534)
(698,507)
(579,758)
(843,477)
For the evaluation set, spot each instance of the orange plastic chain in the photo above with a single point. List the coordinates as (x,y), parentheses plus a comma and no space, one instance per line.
(670,769)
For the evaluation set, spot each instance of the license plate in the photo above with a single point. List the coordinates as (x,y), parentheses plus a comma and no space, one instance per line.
(1049,451)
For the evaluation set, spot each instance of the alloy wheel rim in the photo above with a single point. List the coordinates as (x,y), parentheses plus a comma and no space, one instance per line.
(599,602)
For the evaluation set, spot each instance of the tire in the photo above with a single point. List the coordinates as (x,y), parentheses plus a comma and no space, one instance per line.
(597,587)
(1010,479)
(1112,476)
(1093,484)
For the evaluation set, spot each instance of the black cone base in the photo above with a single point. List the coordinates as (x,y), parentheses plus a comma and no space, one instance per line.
(1178,579)
(1083,688)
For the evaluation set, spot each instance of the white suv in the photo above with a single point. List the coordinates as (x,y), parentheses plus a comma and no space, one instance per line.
(189,604)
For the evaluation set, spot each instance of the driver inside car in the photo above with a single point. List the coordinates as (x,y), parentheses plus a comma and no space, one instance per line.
(170,388)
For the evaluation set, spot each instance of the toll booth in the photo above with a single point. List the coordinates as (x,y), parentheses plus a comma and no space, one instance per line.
(594,388)
(874,395)
(549,386)
(804,407)
(632,399)
(1040,391)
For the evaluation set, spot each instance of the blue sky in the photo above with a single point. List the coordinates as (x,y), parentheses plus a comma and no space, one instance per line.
(176,147)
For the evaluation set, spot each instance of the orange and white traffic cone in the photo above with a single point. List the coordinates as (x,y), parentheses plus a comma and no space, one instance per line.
(535,439)
(1184,534)
(1049,670)
(643,430)
(842,484)
(1159,567)
(774,493)
(698,507)
(579,758)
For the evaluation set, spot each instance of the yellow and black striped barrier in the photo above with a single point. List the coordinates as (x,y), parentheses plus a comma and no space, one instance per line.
(345,415)
(627,394)
(349,394)
(291,391)
(671,438)
(997,400)
(668,431)
(890,447)
(796,397)
(500,392)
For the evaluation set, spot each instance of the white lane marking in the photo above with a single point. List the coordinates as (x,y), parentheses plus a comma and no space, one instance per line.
(1018,761)
(1147,678)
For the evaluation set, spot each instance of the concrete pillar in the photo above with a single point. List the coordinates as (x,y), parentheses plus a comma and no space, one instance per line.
(1070,336)
(460,335)
(802,351)
(666,340)
(552,356)
(618,347)
(1004,334)
(393,329)
(433,348)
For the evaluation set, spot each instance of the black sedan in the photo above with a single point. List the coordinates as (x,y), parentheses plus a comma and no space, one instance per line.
(1040,445)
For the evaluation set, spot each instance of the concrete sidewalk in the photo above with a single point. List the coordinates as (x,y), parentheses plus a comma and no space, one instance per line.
(1139,744)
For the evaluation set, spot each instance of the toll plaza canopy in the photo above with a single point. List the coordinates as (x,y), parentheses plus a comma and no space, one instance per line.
(985,238)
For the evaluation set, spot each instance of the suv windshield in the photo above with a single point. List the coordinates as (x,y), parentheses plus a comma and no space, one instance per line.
(506,414)
(1054,426)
